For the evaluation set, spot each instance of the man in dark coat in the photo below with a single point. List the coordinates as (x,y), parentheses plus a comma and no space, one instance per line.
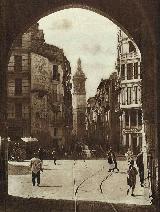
(112,161)
(140,165)
(41,154)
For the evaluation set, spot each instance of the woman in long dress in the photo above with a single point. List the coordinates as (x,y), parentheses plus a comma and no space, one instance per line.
(131,178)
(111,161)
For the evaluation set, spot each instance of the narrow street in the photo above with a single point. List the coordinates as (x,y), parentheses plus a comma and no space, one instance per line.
(76,180)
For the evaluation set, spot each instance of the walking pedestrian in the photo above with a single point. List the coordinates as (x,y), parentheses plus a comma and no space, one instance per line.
(129,155)
(115,162)
(41,154)
(140,165)
(111,160)
(54,156)
(131,178)
(36,167)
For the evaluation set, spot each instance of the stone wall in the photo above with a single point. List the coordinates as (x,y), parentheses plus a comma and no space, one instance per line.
(16,204)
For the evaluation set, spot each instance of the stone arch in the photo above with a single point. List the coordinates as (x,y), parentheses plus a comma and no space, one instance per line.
(130,16)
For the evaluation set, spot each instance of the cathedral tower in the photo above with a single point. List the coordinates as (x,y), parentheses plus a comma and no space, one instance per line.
(79,101)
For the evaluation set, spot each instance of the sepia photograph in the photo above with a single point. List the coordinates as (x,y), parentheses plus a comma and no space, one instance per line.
(79,106)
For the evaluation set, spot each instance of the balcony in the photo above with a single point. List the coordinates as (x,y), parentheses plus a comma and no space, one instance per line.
(128,106)
(130,55)
(19,96)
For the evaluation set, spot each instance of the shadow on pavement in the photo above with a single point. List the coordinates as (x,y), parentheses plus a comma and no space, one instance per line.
(47,186)
(49,169)
(138,195)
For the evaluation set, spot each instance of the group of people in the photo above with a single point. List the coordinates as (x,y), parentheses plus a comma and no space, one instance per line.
(132,170)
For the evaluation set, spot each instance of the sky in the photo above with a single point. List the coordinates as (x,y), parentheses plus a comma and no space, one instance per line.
(87,35)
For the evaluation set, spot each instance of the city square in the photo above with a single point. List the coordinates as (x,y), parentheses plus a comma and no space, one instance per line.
(77,180)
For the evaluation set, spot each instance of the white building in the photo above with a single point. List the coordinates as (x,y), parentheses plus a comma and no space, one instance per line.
(129,71)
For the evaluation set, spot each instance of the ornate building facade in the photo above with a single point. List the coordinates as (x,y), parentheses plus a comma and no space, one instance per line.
(79,102)
(129,71)
(39,90)
(102,115)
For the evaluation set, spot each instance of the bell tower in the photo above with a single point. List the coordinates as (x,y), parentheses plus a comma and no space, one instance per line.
(79,101)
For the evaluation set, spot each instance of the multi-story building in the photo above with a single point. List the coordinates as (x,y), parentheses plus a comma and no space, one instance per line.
(129,71)
(39,90)
(91,120)
(102,114)
(79,102)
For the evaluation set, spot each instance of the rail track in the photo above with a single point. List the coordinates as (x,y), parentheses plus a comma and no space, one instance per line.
(78,187)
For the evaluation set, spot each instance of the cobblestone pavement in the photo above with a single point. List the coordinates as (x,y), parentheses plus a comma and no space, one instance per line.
(76,180)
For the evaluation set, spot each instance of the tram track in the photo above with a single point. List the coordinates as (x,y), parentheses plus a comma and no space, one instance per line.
(91,176)
(104,179)
(100,187)
(86,179)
